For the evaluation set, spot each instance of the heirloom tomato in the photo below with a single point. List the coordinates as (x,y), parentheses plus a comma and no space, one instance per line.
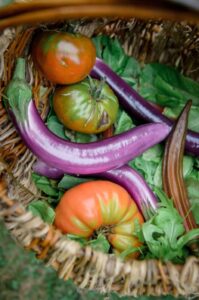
(100,206)
(63,58)
(89,106)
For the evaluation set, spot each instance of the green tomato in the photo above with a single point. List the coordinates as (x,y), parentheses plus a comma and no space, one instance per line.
(89,106)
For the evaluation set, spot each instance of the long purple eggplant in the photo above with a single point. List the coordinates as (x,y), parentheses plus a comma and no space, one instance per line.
(134,183)
(136,105)
(125,176)
(71,157)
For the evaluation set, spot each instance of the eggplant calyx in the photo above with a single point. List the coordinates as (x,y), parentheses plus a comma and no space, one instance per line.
(18,92)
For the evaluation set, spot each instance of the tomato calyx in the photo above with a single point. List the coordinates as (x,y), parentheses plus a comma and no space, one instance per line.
(96,88)
(104,230)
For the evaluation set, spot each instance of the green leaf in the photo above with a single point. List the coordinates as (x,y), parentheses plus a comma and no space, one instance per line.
(43,210)
(194,174)
(193,120)
(112,52)
(157,179)
(100,244)
(123,122)
(85,138)
(79,137)
(45,185)
(146,168)
(132,69)
(193,193)
(77,238)
(56,127)
(196,162)
(123,255)
(114,56)
(147,87)
(188,162)
(69,181)
(164,233)
(166,86)
(153,154)
(51,110)
(188,237)
(101,42)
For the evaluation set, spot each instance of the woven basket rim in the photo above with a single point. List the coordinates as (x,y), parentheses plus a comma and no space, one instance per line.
(32,12)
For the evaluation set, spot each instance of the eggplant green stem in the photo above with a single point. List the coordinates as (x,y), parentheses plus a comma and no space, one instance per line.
(18,92)
(20,70)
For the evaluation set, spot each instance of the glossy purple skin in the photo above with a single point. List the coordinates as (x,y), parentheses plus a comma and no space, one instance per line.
(43,169)
(134,183)
(137,106)
(125,176)
(96,157)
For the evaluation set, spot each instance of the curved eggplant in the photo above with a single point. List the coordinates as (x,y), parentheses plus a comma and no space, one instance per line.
(125,176)
(136,105)
(73,158)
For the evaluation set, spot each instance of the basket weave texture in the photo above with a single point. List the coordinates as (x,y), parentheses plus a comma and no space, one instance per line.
(171,43)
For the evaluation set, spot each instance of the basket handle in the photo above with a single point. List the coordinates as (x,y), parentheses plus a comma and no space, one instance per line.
(32,12)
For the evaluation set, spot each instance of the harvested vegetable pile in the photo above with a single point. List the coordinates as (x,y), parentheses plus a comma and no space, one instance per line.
(107,178)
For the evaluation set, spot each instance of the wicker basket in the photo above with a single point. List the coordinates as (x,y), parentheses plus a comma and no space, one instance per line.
(169,42)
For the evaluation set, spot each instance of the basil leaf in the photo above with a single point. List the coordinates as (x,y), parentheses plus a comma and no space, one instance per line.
(78,137)
(56,127)
(188,163)
(123,255)
(112,52)
(101,42)
(153,154)
(132,69)
(166,86)
(46,185)
(85,138)
(157,179)
(123,122)
(193,120)
(196,162)
(146,168)
(69,181)
(100,244)
(193,192)
(188,237)
(164,232)
(114,56)
(43,210)
(77,238)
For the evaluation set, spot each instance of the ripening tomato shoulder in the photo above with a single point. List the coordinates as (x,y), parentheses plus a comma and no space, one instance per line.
(63,58)
(86,107)
(100,205)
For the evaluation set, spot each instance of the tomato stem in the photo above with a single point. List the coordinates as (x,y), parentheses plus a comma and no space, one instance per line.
(96,87)
(105,230)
